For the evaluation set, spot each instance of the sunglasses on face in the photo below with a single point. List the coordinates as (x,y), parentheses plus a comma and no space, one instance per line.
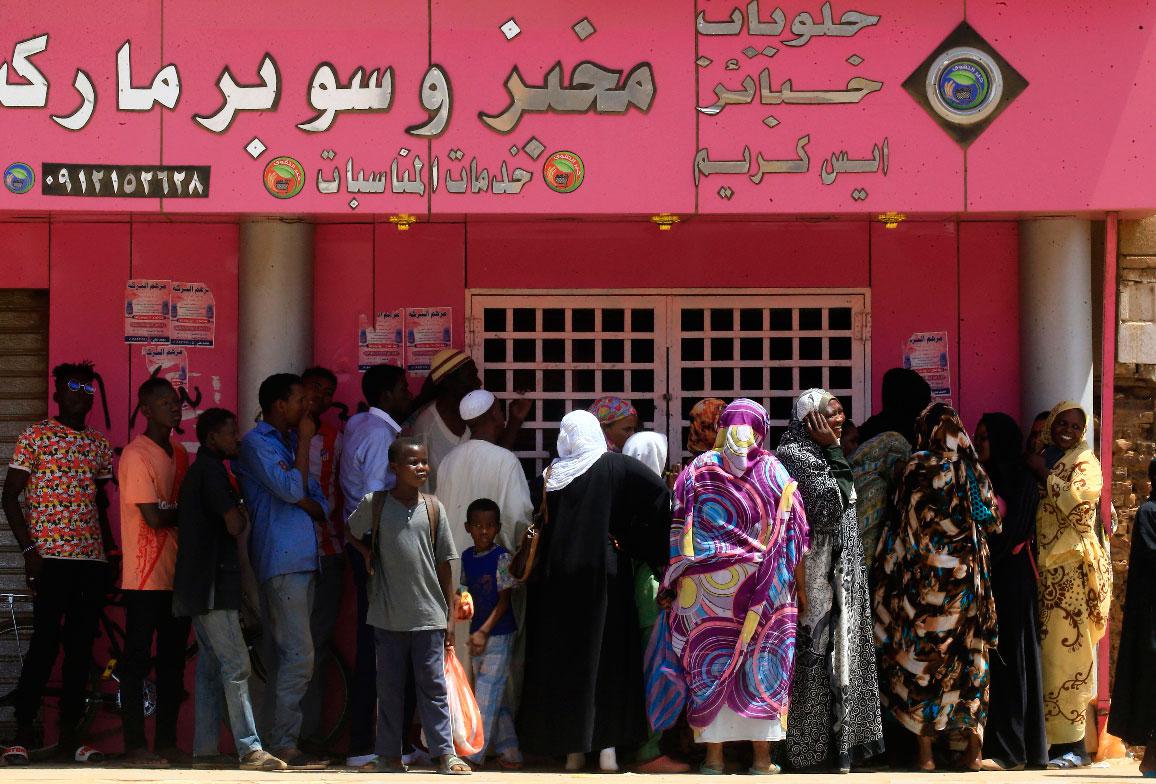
(76,386)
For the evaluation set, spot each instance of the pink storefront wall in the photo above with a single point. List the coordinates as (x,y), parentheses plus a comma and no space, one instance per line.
(961,278)
(1074,142)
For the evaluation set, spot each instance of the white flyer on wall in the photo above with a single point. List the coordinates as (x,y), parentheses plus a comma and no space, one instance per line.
(927,354)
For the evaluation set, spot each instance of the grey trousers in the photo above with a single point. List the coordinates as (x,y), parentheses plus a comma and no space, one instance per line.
(424,653)
(287,601)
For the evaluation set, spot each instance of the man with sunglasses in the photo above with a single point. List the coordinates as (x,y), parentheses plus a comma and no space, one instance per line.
(61,466)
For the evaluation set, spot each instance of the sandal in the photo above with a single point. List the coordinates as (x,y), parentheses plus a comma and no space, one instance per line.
(381,765)
(453,765)
(710,770)
(773,770)
(16,755)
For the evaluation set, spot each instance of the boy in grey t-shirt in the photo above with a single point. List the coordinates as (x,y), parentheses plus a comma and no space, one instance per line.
(410,590)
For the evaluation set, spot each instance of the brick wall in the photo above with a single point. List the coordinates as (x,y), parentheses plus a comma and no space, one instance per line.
(1134,438)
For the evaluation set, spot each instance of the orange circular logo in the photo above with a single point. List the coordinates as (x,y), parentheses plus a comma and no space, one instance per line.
(284,177)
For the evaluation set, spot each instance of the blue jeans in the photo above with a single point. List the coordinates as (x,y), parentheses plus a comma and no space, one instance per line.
(222,676)
(287,602)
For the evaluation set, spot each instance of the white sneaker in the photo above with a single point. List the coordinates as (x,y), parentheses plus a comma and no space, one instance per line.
(359,760)
(419,757)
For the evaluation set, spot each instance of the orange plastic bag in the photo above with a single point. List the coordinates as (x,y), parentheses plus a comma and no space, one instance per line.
(465,718)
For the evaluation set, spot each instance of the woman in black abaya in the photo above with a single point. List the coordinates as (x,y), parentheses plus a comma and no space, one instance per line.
(583,687)
(1015,736)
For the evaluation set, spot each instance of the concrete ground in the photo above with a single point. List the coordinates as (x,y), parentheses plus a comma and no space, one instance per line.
(1114,772)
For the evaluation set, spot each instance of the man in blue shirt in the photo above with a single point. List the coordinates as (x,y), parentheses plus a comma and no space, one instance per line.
(364,470)
(283,504)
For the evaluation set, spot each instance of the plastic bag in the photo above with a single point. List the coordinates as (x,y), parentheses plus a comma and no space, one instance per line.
(465,718)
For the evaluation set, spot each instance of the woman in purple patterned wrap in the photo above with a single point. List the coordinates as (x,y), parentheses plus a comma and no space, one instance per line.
(736,545)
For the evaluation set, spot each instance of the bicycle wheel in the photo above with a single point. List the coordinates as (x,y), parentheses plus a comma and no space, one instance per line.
(336,676)
(14,640)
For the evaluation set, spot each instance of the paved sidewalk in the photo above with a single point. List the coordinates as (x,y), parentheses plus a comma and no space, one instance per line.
(1114,774)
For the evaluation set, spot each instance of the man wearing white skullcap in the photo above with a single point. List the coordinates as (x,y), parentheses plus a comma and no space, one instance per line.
(480,468)
(475,404)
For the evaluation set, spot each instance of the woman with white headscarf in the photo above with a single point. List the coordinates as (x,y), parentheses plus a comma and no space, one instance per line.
(835,720)
(583,688)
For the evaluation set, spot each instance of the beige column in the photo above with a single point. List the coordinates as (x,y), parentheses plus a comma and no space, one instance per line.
(276,305)
(1055,313)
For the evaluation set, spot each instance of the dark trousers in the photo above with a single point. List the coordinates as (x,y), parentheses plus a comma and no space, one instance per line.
(327,599)
(149,615)
(66,611)
(422,656)
(363,692)
(363,699)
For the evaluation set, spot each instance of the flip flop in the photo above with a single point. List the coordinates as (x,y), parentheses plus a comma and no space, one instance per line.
(380,765)
(707,770)
(16,755)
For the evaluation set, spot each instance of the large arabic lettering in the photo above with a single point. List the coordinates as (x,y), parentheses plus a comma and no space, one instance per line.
(592,88)
(804,28)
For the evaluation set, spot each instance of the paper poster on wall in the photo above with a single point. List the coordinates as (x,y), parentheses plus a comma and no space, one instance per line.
(379,343)
(427,331)
(167,362)
(926,353)
(146,311)
(193,315)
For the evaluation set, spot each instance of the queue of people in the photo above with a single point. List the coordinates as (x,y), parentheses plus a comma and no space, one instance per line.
(895,593)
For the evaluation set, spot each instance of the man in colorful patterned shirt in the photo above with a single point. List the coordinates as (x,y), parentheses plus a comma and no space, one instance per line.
(61,465)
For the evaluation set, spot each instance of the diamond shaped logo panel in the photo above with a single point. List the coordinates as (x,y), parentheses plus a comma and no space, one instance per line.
(965,84)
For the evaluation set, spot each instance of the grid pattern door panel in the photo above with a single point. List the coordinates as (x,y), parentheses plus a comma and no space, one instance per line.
(664,353)
(564,353)
(768,348)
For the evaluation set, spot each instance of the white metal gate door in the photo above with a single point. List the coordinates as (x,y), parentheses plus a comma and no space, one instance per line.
(665,352)
(768,348)
(564,353)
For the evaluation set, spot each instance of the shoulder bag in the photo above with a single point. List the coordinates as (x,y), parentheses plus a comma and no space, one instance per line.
(522,565)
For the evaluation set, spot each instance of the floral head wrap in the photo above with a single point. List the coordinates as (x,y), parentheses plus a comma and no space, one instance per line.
(704,425)
(610,409)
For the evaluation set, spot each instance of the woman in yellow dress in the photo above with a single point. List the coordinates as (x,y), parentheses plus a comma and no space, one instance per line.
(1075,578)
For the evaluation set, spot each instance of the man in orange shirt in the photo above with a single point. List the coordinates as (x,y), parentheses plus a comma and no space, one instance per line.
(150,473)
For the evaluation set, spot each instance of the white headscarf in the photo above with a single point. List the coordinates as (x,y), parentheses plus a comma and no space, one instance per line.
(648,447)
(812,400)
(580,444)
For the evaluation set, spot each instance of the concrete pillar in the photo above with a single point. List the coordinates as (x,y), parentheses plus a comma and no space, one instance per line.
(1055,313)
(276,306)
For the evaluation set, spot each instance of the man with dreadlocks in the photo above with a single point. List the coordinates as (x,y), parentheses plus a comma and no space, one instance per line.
(61,466)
